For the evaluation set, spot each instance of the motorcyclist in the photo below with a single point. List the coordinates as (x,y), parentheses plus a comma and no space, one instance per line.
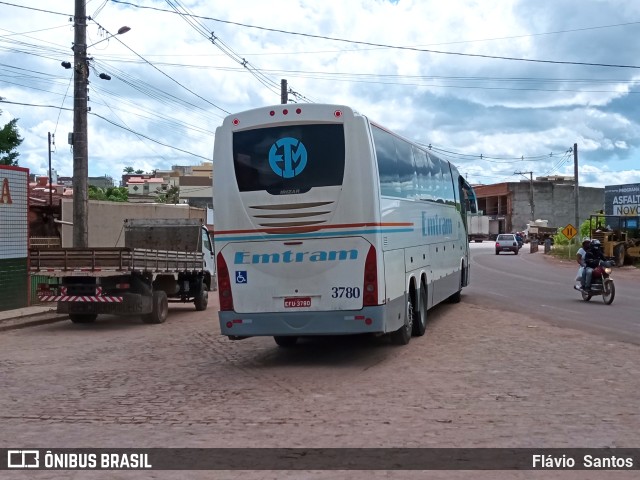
(580,254)
(591,260)
(582,251)
(519,240)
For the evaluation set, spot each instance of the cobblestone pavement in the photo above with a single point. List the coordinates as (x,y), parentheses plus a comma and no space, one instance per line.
(479,378)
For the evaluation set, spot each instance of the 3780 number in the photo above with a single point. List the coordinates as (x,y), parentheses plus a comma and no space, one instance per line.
(345,292)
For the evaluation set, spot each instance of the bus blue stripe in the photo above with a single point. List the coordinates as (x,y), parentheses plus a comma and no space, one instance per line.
(310,235)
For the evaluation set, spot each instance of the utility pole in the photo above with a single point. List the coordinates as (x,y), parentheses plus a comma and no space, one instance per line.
(79,140)
(576,188)
(533,210)
(50,176)
(284,96)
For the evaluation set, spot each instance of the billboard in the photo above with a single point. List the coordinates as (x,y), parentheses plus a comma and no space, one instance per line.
(14,237)
(622,200)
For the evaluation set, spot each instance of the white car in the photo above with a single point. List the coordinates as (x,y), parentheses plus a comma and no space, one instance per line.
(507,242)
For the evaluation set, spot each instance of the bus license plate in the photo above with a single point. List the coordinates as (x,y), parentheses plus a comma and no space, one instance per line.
(297,302)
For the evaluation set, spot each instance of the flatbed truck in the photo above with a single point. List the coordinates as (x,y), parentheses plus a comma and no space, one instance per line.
(163,260)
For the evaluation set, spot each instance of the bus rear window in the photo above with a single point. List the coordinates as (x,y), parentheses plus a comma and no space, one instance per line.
(290,159)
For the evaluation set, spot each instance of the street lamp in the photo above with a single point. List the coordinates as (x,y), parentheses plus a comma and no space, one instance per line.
(79,137)
(120,31)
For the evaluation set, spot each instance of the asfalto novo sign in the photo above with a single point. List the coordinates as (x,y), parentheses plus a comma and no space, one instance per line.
(622,200)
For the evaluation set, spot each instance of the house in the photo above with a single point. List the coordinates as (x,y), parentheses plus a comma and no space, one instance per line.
(149,186)
(512,205)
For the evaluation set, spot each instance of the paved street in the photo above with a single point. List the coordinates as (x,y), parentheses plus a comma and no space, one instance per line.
(479,378)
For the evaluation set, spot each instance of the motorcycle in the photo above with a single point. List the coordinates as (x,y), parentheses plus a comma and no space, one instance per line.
(601,283)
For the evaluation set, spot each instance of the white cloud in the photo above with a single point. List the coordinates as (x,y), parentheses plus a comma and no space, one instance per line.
(465,104)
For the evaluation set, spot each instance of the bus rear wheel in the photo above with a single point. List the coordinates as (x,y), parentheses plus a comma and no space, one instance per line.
(420,320)
(286,341)
(403,334)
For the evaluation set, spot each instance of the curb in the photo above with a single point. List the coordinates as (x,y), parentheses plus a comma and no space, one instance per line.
(31,320)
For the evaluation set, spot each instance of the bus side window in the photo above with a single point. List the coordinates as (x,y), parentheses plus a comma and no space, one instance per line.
(387,161)
(405,167)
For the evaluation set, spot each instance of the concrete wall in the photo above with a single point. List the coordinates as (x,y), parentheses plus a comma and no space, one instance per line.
(106,219)
(553,202)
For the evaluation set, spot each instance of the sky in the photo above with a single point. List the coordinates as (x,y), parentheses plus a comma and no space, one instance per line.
(500,88)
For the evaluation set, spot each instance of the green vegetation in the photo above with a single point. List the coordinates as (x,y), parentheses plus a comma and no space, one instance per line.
(10,139)
(111,194)
(172,195)
(563,248)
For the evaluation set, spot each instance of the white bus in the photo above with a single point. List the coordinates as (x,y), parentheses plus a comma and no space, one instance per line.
(329,224)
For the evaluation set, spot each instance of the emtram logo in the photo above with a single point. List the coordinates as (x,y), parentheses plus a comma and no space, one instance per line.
(288,157)
(436,226)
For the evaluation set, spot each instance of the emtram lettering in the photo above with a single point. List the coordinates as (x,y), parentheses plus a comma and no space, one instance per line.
(248,258)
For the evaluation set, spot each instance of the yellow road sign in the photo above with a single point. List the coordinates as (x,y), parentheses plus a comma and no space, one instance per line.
(569,231)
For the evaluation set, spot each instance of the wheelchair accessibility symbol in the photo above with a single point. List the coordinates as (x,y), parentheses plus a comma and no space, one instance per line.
(241,276)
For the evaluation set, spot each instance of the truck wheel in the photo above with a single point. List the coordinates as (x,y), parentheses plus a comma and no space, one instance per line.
(202,299)
(160,308)
(83,317)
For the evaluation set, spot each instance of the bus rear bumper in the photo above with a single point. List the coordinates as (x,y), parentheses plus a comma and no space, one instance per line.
(345,322)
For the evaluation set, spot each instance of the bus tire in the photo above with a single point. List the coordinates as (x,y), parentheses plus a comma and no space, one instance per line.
(457,296)
(403,334)
(83,317)
(285,341)
(420,322)
(160,308)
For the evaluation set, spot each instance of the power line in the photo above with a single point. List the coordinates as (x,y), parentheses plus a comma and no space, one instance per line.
(165,74)
(148,138)
(129,129)
(35,9)
(65,97)
(36,105)
(112,123)
(222,46)
(381,45)
(490,158)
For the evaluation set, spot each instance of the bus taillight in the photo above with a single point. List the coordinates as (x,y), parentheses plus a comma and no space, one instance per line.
(370,279)
(224,284)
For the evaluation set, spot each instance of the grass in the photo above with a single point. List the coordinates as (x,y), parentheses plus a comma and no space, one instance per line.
(568,252)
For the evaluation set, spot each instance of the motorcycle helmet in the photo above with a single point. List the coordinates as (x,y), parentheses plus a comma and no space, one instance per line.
(595,243)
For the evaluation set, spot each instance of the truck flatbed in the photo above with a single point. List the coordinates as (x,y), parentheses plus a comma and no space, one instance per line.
(110,261)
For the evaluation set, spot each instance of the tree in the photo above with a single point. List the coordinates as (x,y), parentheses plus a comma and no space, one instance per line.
(139,172)
(128,170)
(172,195)
(10,139)
(110,194)
(584,231)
